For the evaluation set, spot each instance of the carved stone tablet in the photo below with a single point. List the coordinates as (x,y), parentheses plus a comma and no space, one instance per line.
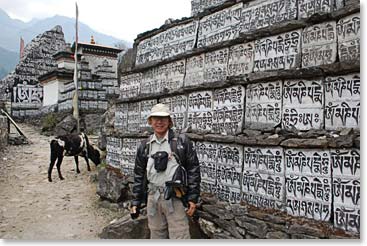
(263,105)
(307,162)
(174,41)
(145,109)
(319,44)
(133,117)
(303,104)
(221,26)
(194,70)
(282,51)
(114,151)
(129,148)
(215,65)
(309,196)
(307,8)
(178,106)
(164,78)
(228,110)
(200,111)
(241,59)
(264,13)
(342,101)
(121,119)
(198,6)
(207,155)
(130,85)
(348,31)
(264,160)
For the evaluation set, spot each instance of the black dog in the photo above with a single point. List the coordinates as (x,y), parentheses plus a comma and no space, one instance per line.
(72,145)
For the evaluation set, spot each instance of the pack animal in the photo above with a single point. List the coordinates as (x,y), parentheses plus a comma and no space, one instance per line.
(72,145)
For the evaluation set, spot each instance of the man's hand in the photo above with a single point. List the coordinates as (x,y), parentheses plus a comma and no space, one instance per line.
(191,210)
(134,212)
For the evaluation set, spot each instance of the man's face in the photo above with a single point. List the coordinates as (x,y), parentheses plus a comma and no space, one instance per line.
(160,125)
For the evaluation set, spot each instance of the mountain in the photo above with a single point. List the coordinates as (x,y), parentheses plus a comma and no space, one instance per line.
(8,61)
(11,30)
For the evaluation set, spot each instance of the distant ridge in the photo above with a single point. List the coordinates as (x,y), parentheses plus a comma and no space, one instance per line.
(11,30)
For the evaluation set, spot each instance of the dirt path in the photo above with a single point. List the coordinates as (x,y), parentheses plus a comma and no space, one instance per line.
(33,208)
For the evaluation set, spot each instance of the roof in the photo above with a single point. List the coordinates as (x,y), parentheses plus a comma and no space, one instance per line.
(56,73)
(97,49)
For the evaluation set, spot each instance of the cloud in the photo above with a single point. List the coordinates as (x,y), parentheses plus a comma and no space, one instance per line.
(124,19)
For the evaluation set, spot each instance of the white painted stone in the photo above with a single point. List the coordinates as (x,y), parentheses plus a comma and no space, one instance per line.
(215,65)
(121,115)
(198,6)
(174,41)
(342,88)
(229,165)
(221,26)
(133,117)
(129,148)
(130,85)
(145,109)
(207,156)
(346,191)
(307,162)
(307,8)
(319,44)
(282,51)
(346,163)
(348,31)
(164,78)
(347,218)
(241,59)
(263,105)
(311,209)
(194,70)
(264,13)
(261,201)
(267,160)
(269,186)
(114,151)
(342,114)
(200,101)
(302,118)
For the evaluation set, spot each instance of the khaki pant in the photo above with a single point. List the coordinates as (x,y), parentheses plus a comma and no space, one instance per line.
(166,220)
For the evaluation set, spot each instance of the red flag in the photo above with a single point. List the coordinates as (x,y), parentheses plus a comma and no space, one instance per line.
(21,49)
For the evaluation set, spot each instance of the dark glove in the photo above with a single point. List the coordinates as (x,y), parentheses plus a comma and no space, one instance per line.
(134,212)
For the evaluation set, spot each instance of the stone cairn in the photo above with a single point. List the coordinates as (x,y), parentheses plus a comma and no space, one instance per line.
(269,91)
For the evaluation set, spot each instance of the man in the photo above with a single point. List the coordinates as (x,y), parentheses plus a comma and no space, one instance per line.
(166,218)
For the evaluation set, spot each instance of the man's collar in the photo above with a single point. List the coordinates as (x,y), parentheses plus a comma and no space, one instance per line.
(154,138)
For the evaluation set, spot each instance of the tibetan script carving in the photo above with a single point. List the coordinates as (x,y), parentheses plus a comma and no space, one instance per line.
(348,31)
(319,44)
(221,26)
(263,105)
(114,151)
(282,51)
(307,8)
(241,59)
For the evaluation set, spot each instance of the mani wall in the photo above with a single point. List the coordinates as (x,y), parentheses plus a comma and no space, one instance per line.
(22,87)
(269,91)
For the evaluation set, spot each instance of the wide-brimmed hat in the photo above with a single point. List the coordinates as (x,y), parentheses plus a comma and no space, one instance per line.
(161,110)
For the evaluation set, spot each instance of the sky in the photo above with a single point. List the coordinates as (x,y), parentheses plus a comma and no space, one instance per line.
(123,19)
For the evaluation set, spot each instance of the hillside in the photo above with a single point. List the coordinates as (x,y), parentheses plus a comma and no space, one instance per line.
(11,30)
(8,60)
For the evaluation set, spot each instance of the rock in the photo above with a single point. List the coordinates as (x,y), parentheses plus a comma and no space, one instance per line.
(341,142)
(111,186)
(126,228)
(219,138)
(239,210)
(218,212)
(209,228)
(253,226)
(66,126)
(277,235)
(346,131)
(251,133)
(305,230)
(304,143)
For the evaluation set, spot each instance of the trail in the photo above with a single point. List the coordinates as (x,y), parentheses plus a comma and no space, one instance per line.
(32,208)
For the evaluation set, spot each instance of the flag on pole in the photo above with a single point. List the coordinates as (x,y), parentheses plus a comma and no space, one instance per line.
(75,97)
(21,48)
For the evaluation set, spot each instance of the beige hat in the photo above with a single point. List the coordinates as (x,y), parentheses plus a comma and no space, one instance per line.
(160,109)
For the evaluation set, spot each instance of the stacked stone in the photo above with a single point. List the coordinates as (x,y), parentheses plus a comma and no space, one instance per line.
(25,91)
(271,96)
